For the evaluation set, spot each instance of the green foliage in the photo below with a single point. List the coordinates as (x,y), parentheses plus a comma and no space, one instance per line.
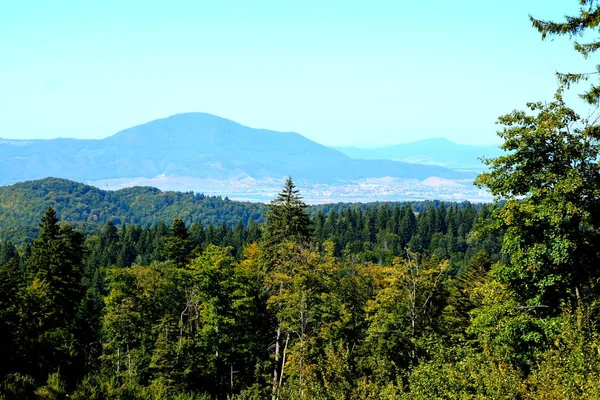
(54,389)
(159,312)
(403,311)
(178,244)
(86,206)
(286,218)
(551,181)
(570,369)
(11,282)
(461,373)
(220,312)
(51,297)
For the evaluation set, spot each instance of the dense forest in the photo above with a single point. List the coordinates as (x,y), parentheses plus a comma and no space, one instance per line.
(87,208)
(162,311)
(448,301)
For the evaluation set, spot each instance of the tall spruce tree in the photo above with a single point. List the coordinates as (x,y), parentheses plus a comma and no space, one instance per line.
(178,245)
(287,218)
(52,297)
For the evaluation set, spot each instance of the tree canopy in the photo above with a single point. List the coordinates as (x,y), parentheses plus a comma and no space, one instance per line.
(550,179)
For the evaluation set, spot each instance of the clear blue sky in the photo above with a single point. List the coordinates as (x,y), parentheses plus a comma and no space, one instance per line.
(337,72)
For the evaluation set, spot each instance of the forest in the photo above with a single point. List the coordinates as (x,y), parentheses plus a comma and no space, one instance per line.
(389,301)
(251,311)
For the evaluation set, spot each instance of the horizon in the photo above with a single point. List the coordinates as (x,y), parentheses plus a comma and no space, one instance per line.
(338,74)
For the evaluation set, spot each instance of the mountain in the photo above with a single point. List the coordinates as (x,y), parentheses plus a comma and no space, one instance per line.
(197,145)
(441,152)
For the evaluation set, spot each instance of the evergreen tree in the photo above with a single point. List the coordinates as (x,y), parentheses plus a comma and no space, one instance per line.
(287,218)
(407,226)
(11,281)
(178,244)
(53,295)
(197,235)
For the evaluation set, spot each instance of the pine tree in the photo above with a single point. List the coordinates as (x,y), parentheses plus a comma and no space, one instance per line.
(11,280)
(57,258)
(178,244)
(287,218)
(53,295)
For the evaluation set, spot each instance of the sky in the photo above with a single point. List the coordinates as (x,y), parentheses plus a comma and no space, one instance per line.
(363,73)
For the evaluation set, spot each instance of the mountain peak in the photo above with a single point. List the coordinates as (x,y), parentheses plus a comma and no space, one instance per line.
(195,116)
(198,145)
(186,127)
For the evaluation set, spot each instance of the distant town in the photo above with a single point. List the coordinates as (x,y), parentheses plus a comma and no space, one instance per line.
(364,190)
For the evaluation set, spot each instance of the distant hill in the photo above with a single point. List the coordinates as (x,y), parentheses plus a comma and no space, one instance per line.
(86,207)
(441,152)
(197,145)
(23,204)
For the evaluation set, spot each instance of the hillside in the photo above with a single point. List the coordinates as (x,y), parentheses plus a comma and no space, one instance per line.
(441,152)
(197,145)
(22,204)
(86,207)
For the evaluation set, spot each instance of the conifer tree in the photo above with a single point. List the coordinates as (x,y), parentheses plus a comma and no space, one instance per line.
(10,282)
(53,295)
(287,218)
(178,244)
(57,257)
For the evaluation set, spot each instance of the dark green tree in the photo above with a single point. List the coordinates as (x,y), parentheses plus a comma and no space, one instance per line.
(550,179)
(287,218)
(178,245)
(407,226)
(52,297)
(11,281)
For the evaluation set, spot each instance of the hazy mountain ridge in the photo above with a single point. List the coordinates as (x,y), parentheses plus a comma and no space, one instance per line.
(438,151)
(197,145)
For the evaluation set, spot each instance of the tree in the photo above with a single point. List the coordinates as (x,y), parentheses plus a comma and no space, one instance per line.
(288,228)
(11,280)
(401,313)
(550,180)
(587,19)
(53,295)
(178,244)
(287,218)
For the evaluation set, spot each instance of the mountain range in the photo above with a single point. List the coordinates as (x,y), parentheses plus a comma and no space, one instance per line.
(199,146)
(438,151)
